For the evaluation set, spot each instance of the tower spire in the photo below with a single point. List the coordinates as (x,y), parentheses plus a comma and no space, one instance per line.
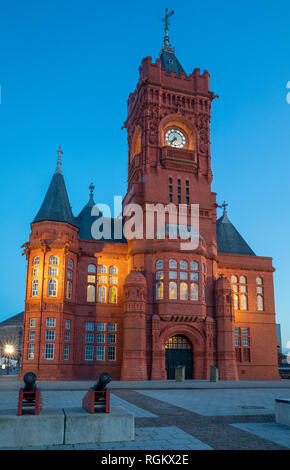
(58,164)
(166,25)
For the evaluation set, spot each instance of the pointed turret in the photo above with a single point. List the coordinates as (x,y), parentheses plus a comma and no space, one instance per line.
(167,53)
(85,219)
(228,238)
(56,206)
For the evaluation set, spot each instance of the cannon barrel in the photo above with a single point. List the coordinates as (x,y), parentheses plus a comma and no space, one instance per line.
(102,382)
(30,382)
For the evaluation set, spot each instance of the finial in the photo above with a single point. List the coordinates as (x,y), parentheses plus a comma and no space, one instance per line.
(91,188)
(166,26)
(59,154)
(224,207)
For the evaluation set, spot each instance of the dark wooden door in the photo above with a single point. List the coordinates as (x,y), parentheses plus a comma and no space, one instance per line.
(178,352)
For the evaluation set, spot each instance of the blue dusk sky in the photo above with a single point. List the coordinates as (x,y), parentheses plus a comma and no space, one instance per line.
(66,70)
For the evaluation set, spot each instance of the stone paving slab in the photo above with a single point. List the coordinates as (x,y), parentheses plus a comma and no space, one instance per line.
(9,383)
(278,433)
(220,402)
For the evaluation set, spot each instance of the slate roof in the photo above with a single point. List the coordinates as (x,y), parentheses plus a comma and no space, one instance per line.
(228,238)
(12,321)
(169,60)
(56,206)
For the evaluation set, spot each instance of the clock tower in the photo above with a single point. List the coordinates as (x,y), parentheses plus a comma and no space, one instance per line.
(169,165)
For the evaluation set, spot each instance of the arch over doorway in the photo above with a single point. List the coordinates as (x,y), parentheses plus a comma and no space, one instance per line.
(178,352)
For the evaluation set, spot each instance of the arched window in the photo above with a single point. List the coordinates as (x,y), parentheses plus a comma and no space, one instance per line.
(183,264)
(244,302)
(113,270)
(91,293)
(159,290)
(102,269)
(70,264)
(183,291)
(34,287)
(236,302)
(159,264)
(52,287)
(172,290)
(53,260)
(259,281)
(234,280)
(260,303)
(243,280)
(172,264)
(193,291)
(102,294)
(194,266)
(69,290)
(92,268)
(113,295)
(36,261)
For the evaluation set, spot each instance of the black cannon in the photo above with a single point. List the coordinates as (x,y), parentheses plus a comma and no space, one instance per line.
(103,381)
(29,399)
(98,395)
(30,382)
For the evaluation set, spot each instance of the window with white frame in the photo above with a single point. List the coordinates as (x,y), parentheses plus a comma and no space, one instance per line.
(53,260)
(100,353)
(35,288)
(30,352)
(112,326)
(91,293)
(101,326)
(90,326)
(52,287)
(89,353)
(49,351)
(32,323)
(52,271)
(49,335)
(66,351)
(67,324)
(111,353)
(100,338)
(35,261)
(67,335)
(260,294)
(70,264)
(31,335)
(90,337)
(50,322)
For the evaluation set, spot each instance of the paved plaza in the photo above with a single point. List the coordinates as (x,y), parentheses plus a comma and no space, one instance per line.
(192,415)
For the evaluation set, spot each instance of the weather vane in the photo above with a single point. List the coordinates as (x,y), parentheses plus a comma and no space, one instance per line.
(166,25)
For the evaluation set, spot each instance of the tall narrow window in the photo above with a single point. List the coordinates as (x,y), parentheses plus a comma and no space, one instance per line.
(260,294)
(70,264)
(102,294)
(36,261)
(159,290)
(69,290)
(183,291)
(193,291)
(34,288)
(113,295)
(52,288)
(91,293)
(92,268)
(172,290)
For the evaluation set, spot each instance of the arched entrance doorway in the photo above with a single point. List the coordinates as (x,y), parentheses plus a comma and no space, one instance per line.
(178,352)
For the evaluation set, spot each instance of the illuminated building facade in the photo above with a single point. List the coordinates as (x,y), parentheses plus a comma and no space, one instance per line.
(138,308)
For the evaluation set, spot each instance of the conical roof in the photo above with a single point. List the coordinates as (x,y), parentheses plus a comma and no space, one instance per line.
(85,219)
(228,238)
(56,206)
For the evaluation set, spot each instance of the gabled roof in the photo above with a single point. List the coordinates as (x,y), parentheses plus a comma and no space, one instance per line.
(56,206)
(228,238)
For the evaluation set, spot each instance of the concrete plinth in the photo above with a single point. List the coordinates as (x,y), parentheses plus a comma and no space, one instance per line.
(44,429)
(282,411)
(82,427)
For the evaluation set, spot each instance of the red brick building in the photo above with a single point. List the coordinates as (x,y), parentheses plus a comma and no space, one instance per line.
(138,308)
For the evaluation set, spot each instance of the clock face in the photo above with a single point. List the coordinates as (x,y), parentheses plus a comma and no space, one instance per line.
(175,138)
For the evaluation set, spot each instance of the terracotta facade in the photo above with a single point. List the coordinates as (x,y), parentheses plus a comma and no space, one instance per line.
(120,317)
